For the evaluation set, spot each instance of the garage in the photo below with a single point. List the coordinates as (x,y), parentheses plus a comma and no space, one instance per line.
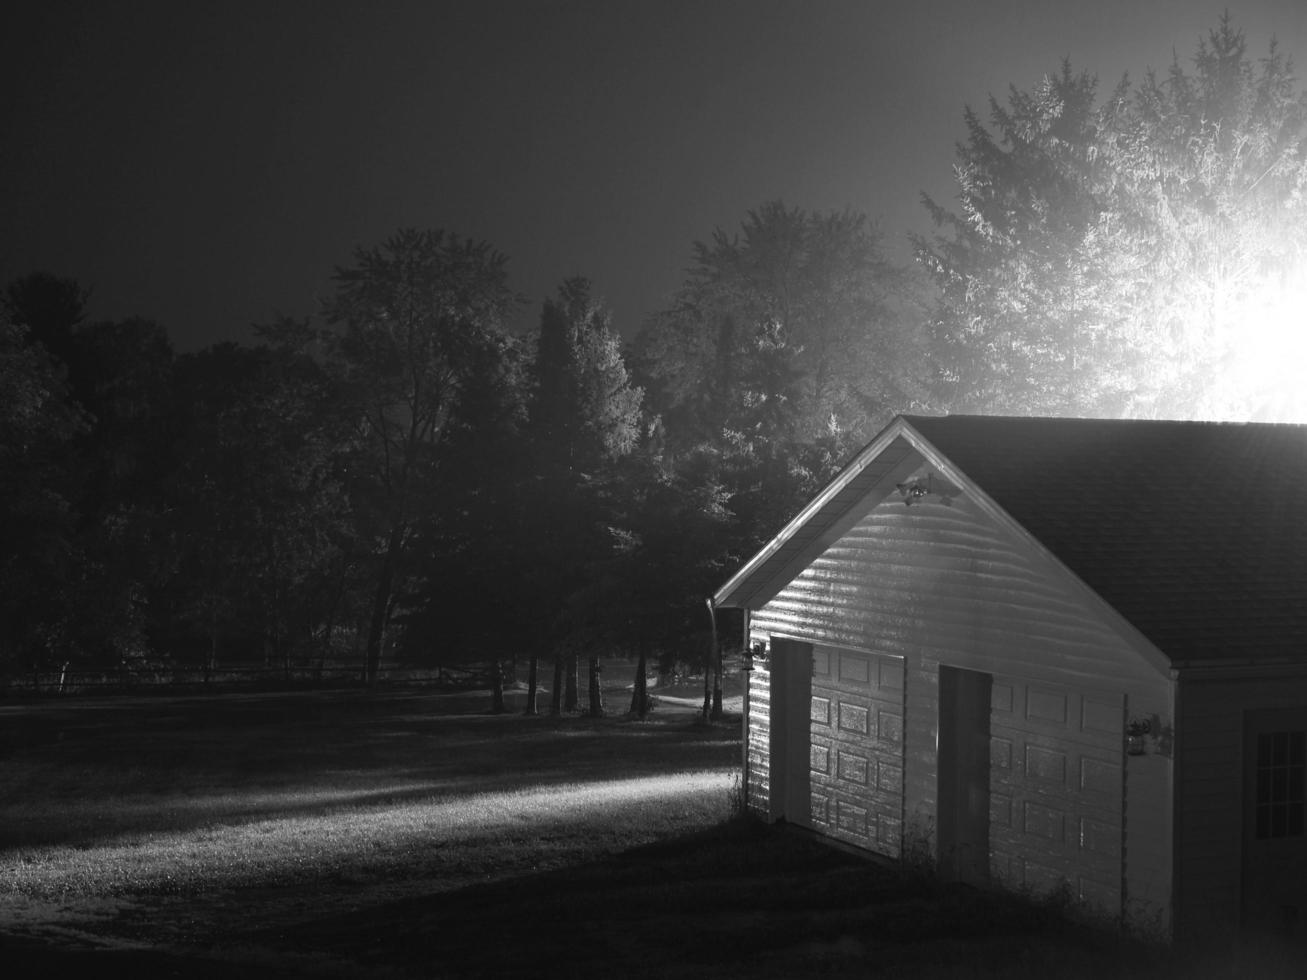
(1051,654)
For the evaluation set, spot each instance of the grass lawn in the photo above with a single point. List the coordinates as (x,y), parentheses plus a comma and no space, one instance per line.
(358,834)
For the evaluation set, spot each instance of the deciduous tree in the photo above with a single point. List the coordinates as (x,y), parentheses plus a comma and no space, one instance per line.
(791,327)
(259,513)
(411,316)
(37,546)
(1143,257)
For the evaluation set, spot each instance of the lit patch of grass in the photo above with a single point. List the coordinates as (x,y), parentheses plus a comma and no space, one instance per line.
(372,835)
(371,839)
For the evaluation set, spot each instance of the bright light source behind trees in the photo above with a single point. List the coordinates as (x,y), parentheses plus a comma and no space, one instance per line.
(1263,374)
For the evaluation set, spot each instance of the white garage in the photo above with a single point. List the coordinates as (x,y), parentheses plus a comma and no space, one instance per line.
(1052,653)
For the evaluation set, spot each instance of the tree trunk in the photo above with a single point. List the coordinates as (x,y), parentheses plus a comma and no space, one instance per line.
(532,683)
(571,698)
(640,689)
(556,695)
(496,688)
(595,691)
(707,690)
(211,661)
(329,627)
(381,606)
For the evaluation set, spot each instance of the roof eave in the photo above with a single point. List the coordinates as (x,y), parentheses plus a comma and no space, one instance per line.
(734,595)
(730,595)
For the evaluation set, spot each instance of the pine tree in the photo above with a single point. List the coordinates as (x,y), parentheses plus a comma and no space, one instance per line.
(584,415)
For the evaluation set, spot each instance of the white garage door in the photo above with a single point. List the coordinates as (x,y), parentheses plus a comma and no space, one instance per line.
(856,748)
(1056,789)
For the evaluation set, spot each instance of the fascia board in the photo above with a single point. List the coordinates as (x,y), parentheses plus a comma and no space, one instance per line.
(726,595)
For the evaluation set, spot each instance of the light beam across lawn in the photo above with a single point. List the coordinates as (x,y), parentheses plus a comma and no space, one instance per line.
(476,835)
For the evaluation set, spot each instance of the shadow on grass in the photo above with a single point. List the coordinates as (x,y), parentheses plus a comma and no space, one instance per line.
(744,900)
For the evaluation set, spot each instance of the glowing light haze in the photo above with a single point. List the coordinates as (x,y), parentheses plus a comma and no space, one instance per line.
(208,166)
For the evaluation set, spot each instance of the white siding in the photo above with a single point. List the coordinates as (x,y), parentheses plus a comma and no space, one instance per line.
(1147,823)
(758,749)
(936,584)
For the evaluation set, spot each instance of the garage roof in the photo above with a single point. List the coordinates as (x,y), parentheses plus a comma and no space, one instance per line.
(1196,532)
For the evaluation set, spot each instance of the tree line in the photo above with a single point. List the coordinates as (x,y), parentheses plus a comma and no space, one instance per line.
(399,477)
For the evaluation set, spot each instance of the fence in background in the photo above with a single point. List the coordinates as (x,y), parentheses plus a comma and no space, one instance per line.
(235,678)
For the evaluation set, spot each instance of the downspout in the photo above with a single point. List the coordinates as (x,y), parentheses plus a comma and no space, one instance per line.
(711,664)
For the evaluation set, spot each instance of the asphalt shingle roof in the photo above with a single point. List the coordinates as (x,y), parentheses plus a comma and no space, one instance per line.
(1195,531)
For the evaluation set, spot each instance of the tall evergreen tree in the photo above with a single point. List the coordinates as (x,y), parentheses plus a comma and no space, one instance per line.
(50,307)
(584,415)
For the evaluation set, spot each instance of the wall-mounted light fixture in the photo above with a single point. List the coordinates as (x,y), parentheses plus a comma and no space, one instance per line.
(917,490)
(1135,733)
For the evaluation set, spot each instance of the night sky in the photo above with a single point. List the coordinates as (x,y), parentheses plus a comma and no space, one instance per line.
(207,164)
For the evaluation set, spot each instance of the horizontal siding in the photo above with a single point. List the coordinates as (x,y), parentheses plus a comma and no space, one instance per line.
(759,744)
(929,577)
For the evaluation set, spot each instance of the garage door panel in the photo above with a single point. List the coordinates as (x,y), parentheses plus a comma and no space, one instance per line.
(889,833)
(1045,764)
(889,778)
(819,759)
(1040,820)
(1056,789)
(856,726)
(889,726)
(821,661)
(1000,752)
(1103,894)
(856,669)
(1101,716)
(1100,838)
(854,769)
(820,811)
(1047,707)
(855,715)
(890,675)
(820,712)
(1101,778)
(851,821)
